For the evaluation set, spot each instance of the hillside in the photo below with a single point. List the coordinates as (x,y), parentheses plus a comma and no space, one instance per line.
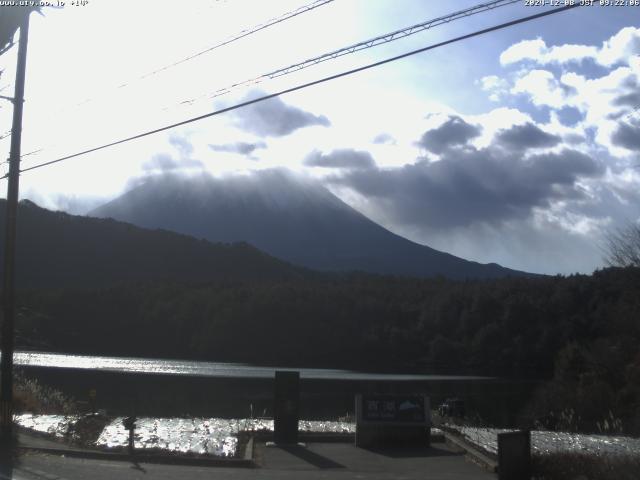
(60,250)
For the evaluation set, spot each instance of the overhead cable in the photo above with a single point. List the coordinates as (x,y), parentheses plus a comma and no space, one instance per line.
(309,84)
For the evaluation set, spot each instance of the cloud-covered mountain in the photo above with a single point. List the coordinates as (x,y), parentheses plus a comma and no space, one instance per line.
(287,216)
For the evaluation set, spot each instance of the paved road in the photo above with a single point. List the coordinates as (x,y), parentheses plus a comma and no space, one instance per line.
(318,461)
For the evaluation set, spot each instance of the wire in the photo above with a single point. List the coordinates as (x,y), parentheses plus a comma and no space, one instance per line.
(33,152)
(372,42)
(631,114)
(405,32)
(8,47)
(242,34)
(306,85)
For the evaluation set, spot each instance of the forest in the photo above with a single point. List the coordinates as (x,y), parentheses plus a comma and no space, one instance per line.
(579,334)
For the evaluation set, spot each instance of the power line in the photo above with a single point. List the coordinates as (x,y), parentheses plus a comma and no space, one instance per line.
(631,114)
(8,47)
(389,37)
(306,85)
(242,34)
(372,42)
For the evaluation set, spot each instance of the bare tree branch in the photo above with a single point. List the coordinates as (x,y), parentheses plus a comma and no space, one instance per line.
(622,247)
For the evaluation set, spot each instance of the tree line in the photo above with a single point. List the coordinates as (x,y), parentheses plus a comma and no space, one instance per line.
(578,333)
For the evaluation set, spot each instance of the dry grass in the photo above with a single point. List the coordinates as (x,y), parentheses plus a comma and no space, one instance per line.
(30,396)
(579,466)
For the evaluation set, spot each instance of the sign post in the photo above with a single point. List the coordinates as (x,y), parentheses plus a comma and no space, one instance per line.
(286,407)
(396,419)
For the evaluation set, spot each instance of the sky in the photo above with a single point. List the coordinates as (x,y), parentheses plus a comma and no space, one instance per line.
(520,147)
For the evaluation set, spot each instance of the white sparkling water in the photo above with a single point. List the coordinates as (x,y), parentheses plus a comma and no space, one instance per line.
(219,436)
(56,425)
(543,442)
(205,436)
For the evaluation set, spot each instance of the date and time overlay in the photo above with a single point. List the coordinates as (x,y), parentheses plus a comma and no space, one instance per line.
(526,3)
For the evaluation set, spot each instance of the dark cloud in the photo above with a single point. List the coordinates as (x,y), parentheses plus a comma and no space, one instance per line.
(383,138)
(453,132)
(630,94)
(574,139)
(628,100)
(341,158)
(627,136)
(521,137)
(631,81)
(471,186)
(274,118)
(243,148)
(182,144)
(166,163)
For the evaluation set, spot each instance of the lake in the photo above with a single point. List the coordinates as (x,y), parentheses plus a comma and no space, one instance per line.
(208,369)
(162,387)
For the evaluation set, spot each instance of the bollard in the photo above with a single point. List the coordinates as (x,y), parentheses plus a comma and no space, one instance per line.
(92,400)
(514,455)
(130,424)
(286,407)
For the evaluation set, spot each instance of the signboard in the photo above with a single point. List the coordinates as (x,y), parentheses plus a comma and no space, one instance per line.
(392,420)
(393,408)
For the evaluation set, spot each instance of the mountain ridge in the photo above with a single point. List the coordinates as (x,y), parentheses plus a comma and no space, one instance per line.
(289,217)
(55,249)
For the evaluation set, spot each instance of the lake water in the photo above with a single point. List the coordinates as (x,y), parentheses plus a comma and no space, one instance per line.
(544,442)
(205,436)
(233,390)
(208,369)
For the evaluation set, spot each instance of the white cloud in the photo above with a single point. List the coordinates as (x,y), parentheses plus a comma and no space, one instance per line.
(496,86)
(620,47)
(495,120)
(542,87)
(617,49)
(601,101)
(524,50)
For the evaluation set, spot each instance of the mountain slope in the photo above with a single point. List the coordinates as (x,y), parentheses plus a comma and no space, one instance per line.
(289,217)
(55,249)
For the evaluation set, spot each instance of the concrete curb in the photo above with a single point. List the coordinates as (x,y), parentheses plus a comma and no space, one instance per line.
(328,437)
(246,462)
(475,454)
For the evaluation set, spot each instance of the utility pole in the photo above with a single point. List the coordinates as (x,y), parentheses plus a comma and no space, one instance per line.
(8,287)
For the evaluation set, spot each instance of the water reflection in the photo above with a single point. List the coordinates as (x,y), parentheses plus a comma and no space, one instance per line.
(213,436)
(204,369)
(544,442)
(205,436)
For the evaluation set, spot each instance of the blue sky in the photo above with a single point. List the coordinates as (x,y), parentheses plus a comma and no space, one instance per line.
(518,147)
